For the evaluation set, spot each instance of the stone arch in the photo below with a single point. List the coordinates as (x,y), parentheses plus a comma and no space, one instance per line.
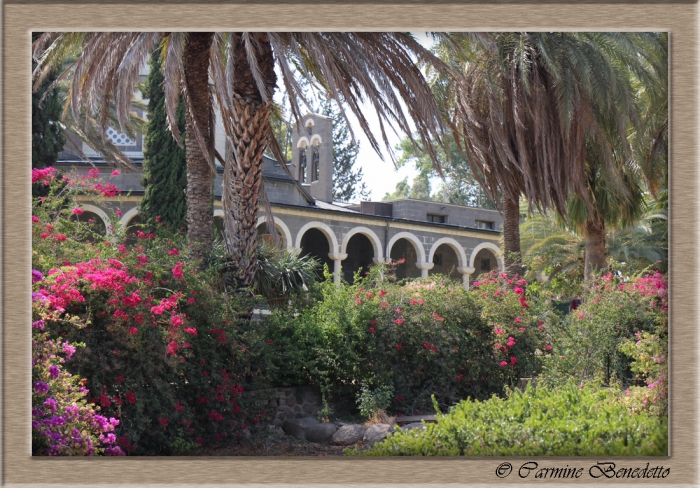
(99,212)
(417,244)
(316,140)
(128,216)
(456,246)
(491,247)
(327,231)
(376,243)
(303,142)
(285,230)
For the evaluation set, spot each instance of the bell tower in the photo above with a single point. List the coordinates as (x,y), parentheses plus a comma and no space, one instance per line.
(312,155)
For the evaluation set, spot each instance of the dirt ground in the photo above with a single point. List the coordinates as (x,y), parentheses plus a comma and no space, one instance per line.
(286,446)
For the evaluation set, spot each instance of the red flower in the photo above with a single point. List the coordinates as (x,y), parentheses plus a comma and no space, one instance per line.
(517,320)
(174,252)
(399,346)
(190,300)
(191,330)
(382,293)
(513,360)
(398,321)
(176,320)
(369,295)
(77,211)
(60,237)
(371,329)
(115,173)
(420,301)
(131,396)
(118,379)
(414,301)
(548,347)
(179,407)
(498,331)
(172,348)
(177,270)
(437,317)
(518,290)
(504,364)
(385,304)
(163,421)
(133,331)
(358,301)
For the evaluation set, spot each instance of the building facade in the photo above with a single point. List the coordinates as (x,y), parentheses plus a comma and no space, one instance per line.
(432,237)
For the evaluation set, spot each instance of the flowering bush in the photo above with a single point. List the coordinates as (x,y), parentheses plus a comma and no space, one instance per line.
(615,311)
(519,325)
(165,352)
(650,364)
(569,420)
(62,421)
(424,338)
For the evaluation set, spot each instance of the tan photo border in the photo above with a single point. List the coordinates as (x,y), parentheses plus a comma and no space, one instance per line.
(680,19)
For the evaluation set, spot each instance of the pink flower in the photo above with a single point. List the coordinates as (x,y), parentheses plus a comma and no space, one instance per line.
(398,321)
(133,330)
(518,290)
(580,315)
(131,397)
(382,293)
(420,301)
(176,320)
(173,347)
(191,330)
(177,270)
(35,219)
(118,213)
(358,301)
(521,329)
(504,364)
(115,173)
(437,317)
(548,347)
(371,329)
(513,360)
(498,331)
(517,320)
(191,300)
(174,252)
(60,237)
(369,295)
(163,422)
(398,310)
(77,211)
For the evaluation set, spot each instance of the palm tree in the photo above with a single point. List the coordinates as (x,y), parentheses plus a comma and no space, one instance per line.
(378,68)
(531,108)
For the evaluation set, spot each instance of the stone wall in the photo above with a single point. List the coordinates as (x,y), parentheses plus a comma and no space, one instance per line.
(290,402)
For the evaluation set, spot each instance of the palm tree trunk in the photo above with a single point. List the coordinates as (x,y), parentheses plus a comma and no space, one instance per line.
(199,173)
(595,245)
(511,236)
(243,174)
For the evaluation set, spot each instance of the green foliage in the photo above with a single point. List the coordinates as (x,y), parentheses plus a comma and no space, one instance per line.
(571,420)
(459,187)
(282,274)
(369,402)
(164,164)
(586,344)
(423,337)
(403,189)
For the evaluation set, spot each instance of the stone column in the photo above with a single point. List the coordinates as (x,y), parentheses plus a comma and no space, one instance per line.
(424,267)
(465,271)
(337,257)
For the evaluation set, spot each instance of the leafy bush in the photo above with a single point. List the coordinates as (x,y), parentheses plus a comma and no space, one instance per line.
(587,343)
(570,420)
(422,338)
(166,353)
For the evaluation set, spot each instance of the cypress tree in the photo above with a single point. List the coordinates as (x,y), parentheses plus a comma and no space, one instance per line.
(164,163)
(48,138)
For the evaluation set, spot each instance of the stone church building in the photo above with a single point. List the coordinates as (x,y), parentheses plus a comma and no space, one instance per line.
(433,237)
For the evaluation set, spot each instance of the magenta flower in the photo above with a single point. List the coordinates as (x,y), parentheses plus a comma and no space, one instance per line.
(115,173)
(504,364)
(77,211)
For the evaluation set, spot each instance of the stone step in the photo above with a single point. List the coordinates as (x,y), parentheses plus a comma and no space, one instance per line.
(414,418)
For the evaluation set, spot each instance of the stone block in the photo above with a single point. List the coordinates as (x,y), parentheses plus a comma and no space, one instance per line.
(375,433)
(348,434)
(297,409)
(321,433)
(291,401)
(297,427)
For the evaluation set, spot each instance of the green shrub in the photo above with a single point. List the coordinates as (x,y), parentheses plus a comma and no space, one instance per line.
(421,338)
(571,420)
(614,310)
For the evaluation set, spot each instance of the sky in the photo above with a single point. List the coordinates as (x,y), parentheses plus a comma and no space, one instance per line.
(381,176)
